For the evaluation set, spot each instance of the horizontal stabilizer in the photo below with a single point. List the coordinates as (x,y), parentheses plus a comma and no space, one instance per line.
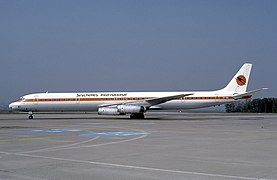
(247,94)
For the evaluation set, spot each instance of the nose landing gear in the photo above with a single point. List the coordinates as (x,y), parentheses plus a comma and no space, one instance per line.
(31,115)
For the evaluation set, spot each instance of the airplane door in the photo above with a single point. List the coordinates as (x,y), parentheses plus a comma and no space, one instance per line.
(182,103)
(77,100)
(216,98)
(35,100)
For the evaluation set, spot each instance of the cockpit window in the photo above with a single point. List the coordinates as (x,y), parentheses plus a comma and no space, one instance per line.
(21,99)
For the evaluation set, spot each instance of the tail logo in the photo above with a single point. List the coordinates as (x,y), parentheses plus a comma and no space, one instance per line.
(241,80)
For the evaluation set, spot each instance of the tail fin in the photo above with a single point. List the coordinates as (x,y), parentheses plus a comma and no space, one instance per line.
(240,81)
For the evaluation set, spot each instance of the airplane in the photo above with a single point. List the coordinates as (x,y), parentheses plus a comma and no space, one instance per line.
(136,104)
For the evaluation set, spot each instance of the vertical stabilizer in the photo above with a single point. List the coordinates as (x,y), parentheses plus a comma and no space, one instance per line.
(240,81)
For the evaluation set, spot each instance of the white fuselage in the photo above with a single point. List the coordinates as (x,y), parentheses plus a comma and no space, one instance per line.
(137,103)
(90,101)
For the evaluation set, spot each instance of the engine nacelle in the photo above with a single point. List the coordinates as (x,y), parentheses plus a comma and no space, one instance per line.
(108,111)
(121,110)
(130,109)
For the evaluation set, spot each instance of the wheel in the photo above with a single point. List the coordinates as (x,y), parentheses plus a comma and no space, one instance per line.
(31,115)
(137,116)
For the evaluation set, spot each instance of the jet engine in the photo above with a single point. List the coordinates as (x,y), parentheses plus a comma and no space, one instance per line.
(130,109)
(121,110)
(108,111)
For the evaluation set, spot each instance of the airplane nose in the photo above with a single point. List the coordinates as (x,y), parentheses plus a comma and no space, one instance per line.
(15,106)
(11,106)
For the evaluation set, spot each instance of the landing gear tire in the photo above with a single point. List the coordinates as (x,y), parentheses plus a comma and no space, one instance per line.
(31,115)
(137,116)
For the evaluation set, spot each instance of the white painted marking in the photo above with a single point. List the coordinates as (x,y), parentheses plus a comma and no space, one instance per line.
(53,130)
(98,145)
(66,147)
(113,134)
(63,146)
(138,167)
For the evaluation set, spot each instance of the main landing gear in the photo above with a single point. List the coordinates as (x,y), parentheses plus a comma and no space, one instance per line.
(137,116)
(31,115)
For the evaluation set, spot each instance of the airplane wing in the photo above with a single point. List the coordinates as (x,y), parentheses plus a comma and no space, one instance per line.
(148,102)
(156,101)
(247,94)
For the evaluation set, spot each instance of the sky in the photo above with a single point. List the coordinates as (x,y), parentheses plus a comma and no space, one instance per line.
(135,45)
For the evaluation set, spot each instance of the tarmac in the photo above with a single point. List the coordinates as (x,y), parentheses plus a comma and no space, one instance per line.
(165,145)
